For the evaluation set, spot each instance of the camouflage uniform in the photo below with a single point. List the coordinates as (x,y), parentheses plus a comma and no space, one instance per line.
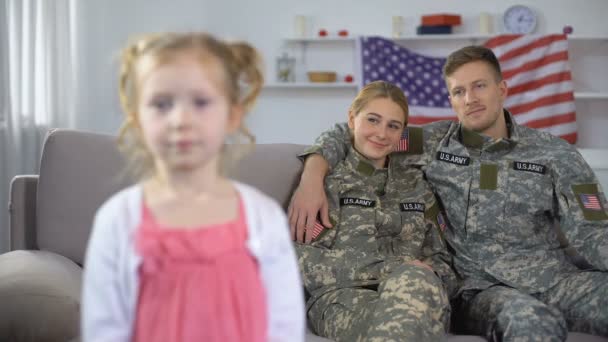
(504,200)
(356,273)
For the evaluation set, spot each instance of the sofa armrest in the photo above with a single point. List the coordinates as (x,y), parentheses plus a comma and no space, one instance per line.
(22,212)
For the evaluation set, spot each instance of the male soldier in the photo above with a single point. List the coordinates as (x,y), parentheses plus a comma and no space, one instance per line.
(504,187)
(379,275)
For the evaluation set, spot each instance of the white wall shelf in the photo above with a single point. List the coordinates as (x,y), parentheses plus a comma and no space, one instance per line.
(585,95)
(352,39)
(343,85)
(453,36)
(587,37)
(321,40)
(310,85)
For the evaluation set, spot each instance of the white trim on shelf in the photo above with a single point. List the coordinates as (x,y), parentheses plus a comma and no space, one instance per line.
(584,95)
(344,85)
(339,85)
(321,39)
(452,36)
(587,37)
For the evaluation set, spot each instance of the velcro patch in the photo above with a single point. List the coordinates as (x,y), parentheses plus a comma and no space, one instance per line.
(590,201)
(530,167)
(453,159)
(488,176)
(360,202)
(412,206)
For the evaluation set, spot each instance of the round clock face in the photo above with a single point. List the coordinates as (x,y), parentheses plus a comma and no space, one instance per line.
(520,19)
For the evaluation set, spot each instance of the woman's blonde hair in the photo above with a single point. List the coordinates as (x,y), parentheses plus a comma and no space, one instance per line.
(242,75)
(380,89)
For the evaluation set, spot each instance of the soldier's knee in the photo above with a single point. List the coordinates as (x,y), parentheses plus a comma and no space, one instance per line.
(415,280)
(412,273)
(531,318)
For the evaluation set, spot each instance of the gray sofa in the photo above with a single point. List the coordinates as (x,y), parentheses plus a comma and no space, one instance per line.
(50,220)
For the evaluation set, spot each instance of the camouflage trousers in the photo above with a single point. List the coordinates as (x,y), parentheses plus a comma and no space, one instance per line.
(409,305)
(500,313)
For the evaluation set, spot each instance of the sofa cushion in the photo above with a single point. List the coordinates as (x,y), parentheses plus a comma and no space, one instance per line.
(78,172)
(272,168)
(39,296)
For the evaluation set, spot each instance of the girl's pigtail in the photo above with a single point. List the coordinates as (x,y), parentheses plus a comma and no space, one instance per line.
(248,63)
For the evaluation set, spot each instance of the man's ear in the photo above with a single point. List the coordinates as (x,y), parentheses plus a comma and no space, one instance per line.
(236,118)
(351,120)
(503,89)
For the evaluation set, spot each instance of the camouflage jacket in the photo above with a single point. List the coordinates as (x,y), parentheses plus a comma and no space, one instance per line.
(504,200)
(382,219)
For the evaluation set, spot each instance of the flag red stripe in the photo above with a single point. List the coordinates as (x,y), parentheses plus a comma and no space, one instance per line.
(545,60)
(571,137)
(539,82)
(421,120)
(501,40)
(552,121)
(543,101)
(546,40)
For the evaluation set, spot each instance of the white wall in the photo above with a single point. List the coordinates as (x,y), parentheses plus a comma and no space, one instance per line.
(291,115)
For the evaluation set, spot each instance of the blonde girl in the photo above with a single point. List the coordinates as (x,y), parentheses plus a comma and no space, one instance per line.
(187,254)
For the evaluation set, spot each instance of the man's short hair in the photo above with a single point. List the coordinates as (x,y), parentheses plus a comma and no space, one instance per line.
(470,54)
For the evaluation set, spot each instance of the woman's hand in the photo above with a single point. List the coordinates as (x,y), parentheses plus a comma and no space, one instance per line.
(308,199)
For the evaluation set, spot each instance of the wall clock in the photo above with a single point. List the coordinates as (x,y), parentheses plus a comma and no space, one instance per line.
(520,19)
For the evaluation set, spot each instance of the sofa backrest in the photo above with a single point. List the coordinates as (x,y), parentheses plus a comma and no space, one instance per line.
(80,170)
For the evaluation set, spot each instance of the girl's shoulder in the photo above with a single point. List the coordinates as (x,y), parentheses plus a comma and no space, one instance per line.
(253,197)
(266,220)
(124,205)
(125,196)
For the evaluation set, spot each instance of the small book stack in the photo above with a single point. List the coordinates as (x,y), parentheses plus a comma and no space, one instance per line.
(438,23)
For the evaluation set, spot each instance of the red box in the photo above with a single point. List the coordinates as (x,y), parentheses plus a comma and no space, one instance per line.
(441,19)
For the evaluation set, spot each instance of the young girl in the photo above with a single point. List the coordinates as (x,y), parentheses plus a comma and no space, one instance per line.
(186,254)
(378,274)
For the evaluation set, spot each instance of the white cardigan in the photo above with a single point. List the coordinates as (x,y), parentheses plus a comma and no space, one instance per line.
(111,282)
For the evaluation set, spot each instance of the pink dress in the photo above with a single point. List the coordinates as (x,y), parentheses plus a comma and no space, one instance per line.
(198,284)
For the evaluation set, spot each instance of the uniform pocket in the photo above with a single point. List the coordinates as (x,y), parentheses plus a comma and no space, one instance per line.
(412,216)
(410,239)
(529,193)
(357,221)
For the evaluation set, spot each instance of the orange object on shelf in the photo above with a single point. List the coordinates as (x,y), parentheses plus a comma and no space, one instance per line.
(441,19)
(322,76)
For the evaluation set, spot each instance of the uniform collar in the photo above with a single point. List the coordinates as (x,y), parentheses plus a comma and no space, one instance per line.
(356,161)
(476,140)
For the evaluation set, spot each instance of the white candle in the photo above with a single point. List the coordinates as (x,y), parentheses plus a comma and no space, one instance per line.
(485,23)
(397,26)
(300,26)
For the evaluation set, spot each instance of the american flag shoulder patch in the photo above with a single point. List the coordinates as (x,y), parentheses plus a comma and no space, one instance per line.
(403,143)
(590,202)
(441,222)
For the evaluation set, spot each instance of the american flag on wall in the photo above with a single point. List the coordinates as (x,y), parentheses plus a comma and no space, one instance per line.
(535,67)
